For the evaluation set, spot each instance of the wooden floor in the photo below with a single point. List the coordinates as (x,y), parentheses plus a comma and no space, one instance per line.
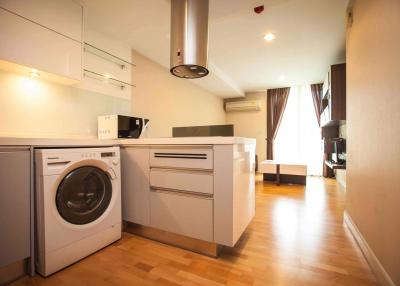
(296,238)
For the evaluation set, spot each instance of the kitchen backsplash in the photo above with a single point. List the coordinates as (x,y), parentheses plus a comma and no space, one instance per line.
(30,107)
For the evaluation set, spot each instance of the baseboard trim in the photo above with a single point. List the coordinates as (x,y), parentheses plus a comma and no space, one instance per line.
(380,273)
(203,247)
(13,271)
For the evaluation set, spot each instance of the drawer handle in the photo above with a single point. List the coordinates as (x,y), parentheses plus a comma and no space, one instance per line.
(188,154)
(181,192)
(181,155)
(181,170)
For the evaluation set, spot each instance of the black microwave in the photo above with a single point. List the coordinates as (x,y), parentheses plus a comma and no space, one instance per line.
(121,126)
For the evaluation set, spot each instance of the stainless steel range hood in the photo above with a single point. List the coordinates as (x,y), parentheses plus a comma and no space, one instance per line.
(189,38)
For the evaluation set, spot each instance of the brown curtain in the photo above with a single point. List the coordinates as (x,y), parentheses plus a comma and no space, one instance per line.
(316,92)
(276,103)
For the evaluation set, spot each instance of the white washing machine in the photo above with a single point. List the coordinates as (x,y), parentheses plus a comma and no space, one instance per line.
(78,204)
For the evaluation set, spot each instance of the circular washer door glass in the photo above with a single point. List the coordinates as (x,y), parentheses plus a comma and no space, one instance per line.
(83,195)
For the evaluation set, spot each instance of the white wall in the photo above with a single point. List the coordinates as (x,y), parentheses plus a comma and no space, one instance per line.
(169,101)
(251,124)
(32,107)
(373,128)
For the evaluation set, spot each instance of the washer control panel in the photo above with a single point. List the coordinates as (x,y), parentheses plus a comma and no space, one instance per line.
(90,155)
(107,154)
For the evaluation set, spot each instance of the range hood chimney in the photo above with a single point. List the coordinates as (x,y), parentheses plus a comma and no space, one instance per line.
(189,38)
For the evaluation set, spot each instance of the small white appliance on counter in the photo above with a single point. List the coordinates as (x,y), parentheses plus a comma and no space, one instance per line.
(120,126)
(78,204)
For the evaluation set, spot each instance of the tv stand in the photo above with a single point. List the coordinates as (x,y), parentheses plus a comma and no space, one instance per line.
(334,166)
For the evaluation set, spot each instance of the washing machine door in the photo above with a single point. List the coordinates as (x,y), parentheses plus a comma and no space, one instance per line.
(84,195)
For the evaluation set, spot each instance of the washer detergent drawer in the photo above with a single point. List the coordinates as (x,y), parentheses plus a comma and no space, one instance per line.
(181,213)
(183,180)
(181,157)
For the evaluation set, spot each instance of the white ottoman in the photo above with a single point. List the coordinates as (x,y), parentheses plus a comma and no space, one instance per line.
(283,172)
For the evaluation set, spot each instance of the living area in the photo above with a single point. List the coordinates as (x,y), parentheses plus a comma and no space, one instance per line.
(305,128)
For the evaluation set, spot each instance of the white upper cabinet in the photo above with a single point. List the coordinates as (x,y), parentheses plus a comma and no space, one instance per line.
(61,16)
(42,34)
(107,65)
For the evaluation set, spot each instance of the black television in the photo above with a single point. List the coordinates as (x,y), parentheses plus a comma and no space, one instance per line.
(339,148)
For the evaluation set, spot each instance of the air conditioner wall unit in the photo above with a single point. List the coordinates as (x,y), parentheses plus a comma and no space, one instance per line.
(247,105)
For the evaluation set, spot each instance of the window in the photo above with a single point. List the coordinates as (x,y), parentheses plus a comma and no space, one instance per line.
(299,135)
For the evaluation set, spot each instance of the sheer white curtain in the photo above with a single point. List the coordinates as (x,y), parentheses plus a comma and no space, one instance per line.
(299,136)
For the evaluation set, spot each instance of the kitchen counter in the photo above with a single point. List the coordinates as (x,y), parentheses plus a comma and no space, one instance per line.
(183,190)
(56,142)
(200,188)
(86,142)
(188,141)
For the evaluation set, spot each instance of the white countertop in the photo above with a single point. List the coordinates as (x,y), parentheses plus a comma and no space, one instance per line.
(86,142)
(189,141)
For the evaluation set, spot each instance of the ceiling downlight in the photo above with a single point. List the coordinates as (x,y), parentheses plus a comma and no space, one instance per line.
(269,37)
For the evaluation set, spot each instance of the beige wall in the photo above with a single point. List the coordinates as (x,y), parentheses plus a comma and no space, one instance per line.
(169,101)
(32,107)
(373,128)
(251,123)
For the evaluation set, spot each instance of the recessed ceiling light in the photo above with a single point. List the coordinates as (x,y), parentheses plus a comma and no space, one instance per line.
(269,37)
(34,73)
(282,77)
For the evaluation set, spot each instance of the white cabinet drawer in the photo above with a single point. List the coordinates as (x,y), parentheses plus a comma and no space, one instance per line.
(63,16)
(181,157)
(182,214)
(28,44)
(183,180)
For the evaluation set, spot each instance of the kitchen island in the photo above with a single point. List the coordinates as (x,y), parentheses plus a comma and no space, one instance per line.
(196,193)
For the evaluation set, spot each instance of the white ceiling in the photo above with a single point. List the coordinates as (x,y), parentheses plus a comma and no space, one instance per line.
(310,36)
